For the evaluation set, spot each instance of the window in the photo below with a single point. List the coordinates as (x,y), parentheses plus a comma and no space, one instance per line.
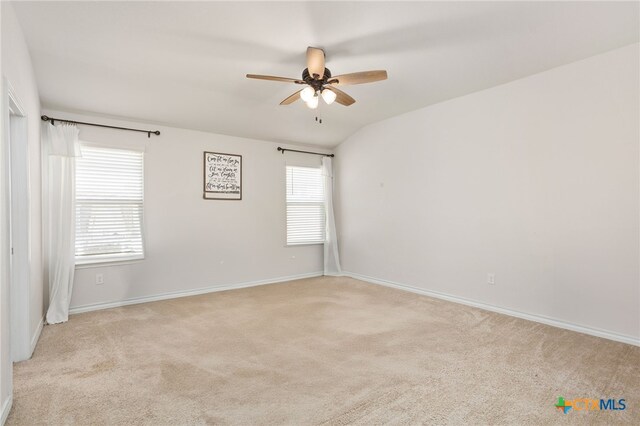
(305,206)
(109,204)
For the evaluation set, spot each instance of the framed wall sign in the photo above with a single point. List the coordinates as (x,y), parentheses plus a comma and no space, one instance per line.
(222,176)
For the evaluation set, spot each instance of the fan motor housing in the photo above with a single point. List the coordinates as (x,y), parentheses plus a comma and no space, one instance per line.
(316,84)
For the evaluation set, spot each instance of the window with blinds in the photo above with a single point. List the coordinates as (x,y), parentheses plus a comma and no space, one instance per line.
(109,205)
(305,206)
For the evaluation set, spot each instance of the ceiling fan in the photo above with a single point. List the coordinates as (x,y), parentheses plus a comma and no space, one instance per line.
(320,82)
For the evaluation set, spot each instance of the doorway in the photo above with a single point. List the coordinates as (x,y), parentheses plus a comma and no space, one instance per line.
(19,219)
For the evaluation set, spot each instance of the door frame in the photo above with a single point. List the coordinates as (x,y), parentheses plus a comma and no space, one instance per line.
(16,140)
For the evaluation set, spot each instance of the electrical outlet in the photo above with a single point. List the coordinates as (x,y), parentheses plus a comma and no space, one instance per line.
(491,278)
(99,279)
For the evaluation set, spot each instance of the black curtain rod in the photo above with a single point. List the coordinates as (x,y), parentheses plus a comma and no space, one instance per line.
(53,120)
(304,152)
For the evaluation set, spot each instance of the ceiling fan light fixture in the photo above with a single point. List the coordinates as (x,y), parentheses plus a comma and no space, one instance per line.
(328,96)
(316,77)
(313,102)
(307,93)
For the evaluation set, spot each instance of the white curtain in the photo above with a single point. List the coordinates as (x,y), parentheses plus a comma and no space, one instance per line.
(60,146)
(331,256)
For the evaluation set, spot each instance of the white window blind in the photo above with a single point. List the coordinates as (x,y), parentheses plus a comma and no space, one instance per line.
(305,206)
(109,205)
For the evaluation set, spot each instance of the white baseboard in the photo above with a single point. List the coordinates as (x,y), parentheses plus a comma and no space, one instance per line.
(36,337)
(194,292)
(6,408)
(531,317)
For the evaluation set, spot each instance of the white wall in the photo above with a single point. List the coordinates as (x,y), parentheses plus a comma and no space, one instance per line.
(193,243)
(536,180)
(17,69)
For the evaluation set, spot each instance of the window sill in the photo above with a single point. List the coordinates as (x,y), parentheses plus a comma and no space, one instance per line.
(304,244)
(103,263)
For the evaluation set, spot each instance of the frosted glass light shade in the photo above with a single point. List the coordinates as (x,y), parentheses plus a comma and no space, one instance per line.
(307,93)
(328,96)
(313,102)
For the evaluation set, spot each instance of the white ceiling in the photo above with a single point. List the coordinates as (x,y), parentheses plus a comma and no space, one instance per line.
(184,64)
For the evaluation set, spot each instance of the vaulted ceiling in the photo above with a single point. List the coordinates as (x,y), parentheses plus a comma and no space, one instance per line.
(184,63)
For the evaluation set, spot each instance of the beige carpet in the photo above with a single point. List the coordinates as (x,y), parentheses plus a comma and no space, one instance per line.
(317,351)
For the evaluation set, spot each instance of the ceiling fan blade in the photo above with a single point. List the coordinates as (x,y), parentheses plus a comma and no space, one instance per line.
(358,77)
(315,62)
(273,78)
(291,99)
(341,97)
